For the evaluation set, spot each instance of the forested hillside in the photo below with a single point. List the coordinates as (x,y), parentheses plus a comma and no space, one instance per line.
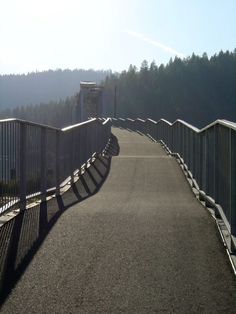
(55,113)
(197,89)
(38,87)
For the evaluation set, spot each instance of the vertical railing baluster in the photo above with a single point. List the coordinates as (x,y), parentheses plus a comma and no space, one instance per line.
(23,163)
(43,166)
(233,187)
(72,149)
(58,162)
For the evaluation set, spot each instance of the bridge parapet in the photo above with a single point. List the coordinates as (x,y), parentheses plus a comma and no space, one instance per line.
(209,155)
(37,159)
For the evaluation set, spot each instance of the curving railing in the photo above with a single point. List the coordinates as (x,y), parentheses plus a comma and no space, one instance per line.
(36,159)
(209,156)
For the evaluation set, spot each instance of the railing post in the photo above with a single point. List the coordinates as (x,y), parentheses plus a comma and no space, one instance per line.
(216,166)
(72,149)
(43,165)
(23,163)
(58,143)
(233,187)
(204,160)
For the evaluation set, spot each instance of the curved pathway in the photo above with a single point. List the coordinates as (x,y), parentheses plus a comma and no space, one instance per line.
(142,244)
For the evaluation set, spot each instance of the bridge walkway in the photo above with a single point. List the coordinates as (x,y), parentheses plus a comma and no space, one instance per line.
(142,244)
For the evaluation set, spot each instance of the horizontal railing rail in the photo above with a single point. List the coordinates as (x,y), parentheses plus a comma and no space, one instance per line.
(209,155)
(36,159)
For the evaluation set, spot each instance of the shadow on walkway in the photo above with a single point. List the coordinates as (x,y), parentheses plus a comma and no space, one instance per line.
(21,237)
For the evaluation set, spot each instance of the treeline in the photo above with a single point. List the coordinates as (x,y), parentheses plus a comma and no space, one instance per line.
(55,113)
(43,87)
(196,89)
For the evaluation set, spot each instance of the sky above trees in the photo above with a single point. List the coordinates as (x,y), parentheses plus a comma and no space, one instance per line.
(110,34)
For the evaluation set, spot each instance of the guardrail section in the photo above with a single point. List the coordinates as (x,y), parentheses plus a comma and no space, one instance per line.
(35,159)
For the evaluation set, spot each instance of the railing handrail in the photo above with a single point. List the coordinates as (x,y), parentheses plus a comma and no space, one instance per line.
(151,120)
(29,123)
(81,124)
(227,123)
(54,128)
(105,121)
(223,122)
(141,120)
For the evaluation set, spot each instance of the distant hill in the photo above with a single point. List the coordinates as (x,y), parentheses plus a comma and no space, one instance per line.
(43,87)
(197,89)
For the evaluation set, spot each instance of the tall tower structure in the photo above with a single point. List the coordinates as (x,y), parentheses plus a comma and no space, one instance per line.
(89,102)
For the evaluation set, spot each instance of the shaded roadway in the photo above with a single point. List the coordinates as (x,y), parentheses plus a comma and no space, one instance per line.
(142,244)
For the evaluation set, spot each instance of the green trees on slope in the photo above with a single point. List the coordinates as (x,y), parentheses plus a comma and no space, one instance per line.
(196,89)
(55,113)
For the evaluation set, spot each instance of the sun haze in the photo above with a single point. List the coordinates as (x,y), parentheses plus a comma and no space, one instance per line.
(110,34)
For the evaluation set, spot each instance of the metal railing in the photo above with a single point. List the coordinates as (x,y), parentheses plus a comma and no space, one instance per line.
(36,159)
(209,155)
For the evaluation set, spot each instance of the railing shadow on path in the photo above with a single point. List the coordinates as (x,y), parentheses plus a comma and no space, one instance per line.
(22,236)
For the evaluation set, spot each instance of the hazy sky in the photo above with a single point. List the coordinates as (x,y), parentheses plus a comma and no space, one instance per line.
(110,34)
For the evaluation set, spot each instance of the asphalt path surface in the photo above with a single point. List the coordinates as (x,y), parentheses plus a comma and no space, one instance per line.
(142,244)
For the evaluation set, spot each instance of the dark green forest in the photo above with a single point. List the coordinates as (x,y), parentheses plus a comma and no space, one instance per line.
(196,89)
